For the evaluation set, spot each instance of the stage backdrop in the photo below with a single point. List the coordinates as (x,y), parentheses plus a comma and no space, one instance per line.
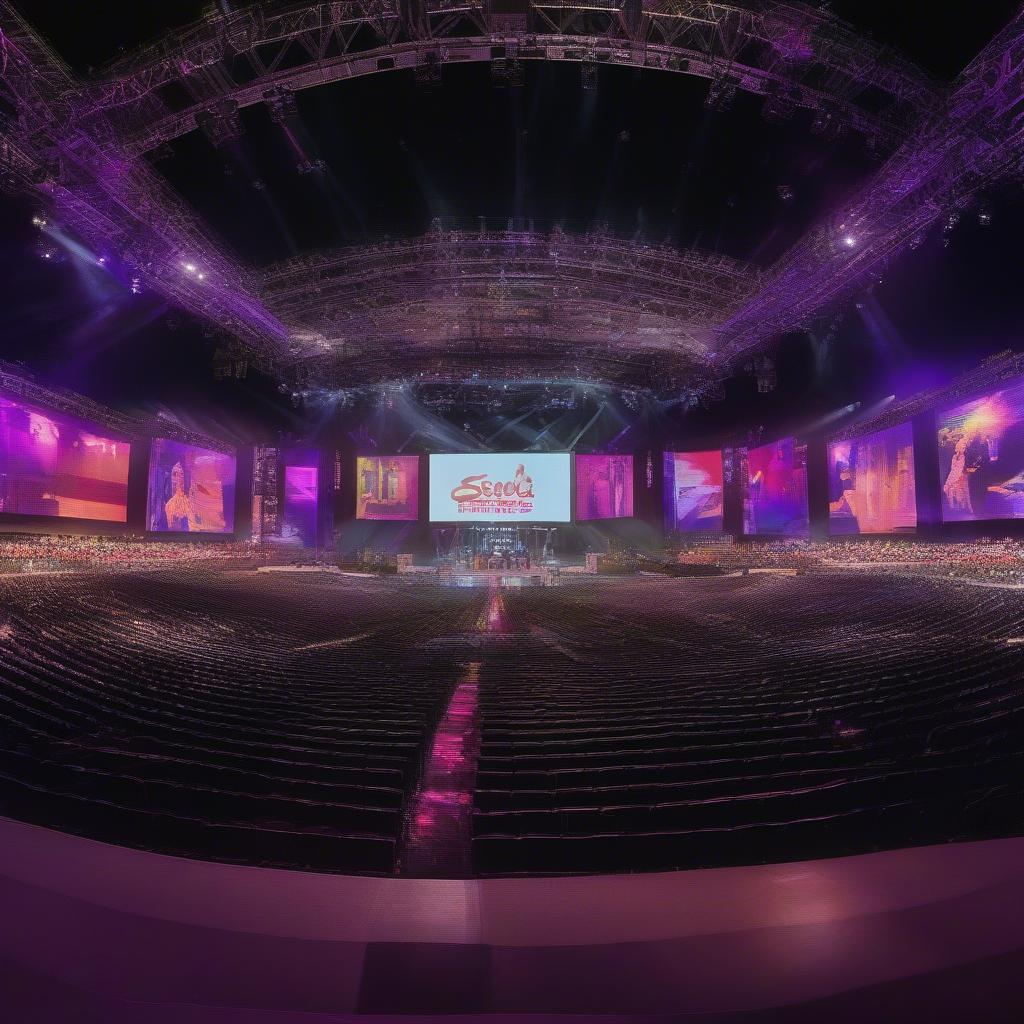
(871,483)
(388,487)
(488,487)
(693,491)
(191,489)
(776,494)
(604,486)
(52,465)
(981,457)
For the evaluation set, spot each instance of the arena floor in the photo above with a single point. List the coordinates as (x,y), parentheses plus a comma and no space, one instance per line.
(363,724)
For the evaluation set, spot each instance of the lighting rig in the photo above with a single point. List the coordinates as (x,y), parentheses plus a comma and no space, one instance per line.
(79,147)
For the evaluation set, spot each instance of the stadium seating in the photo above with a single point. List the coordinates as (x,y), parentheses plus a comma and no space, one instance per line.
(634,723)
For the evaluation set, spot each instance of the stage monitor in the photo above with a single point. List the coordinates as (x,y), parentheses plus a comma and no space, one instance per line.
(871,483)
(604,486)
(487,487)
(53,465)
(191,489)
(981,457)
(776,495)
(693,491)
(388,487)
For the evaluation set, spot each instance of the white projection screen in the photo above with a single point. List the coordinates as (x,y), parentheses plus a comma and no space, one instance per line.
(509,488)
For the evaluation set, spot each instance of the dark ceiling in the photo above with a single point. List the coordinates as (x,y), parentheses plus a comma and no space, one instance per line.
(641,154)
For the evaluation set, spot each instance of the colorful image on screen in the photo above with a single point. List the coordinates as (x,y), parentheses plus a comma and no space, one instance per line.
(52,465)
(388,487)
(776,495)
(191,489)
(300,504)
(486,487)
(981,457)
(871,483)
(693,491)
(604,486)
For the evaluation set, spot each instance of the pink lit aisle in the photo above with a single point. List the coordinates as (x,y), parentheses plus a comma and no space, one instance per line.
(438,836)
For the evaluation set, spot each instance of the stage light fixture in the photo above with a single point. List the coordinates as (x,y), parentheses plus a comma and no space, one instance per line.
(282,104)
(985,215)
(588,75)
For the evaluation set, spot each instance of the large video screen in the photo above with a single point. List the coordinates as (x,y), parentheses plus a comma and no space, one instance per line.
(301,484)
(871,483)
(693,491)
(981,457)
(52,465)
(191,489)
(388,487)
(776,494)
(488,487)
(604,486)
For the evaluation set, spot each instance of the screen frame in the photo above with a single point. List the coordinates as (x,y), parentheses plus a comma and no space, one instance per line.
(232,533)
(576,456)
(525,522)
(29,522)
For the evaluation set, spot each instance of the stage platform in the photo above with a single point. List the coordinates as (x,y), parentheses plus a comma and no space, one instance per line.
(96,933)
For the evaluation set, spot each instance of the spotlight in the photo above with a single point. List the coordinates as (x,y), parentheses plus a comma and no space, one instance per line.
(588,74)
(721,94)
(849,241)
(221,124)
(985,215)
(282,104)
(39,220)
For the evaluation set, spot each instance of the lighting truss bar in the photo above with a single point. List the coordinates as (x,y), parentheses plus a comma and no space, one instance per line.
(111,202)
(978,139)
(812,59)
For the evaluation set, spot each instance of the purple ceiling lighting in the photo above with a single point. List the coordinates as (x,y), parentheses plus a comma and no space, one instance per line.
(585,305)
(977,139)
(115,203)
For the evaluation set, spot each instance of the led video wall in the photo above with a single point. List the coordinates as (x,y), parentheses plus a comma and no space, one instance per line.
(388,487)
(191,489)
(300,504)
(52,465)
(604,486)
(488,487)
(981,457)
(693,491)
(871,483)
(775,500)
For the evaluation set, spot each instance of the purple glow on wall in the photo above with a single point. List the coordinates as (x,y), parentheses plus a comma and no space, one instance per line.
(300,504)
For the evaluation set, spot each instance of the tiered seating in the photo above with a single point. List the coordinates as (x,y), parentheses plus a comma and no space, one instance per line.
(626,724)
(660,723)
(254,718)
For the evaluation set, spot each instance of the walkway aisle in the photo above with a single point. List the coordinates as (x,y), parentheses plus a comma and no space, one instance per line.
(439,825)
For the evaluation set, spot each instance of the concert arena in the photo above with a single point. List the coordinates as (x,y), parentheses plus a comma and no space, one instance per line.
(511,511)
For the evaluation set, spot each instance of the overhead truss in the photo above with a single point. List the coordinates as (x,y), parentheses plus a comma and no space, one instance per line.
(455,290)
(79,146)
(794,55)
